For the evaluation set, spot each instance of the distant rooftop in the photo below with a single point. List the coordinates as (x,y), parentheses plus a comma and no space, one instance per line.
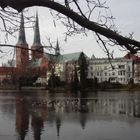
(62,58)
(70,57)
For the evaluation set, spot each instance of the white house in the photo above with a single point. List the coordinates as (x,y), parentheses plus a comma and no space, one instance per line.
(114,70)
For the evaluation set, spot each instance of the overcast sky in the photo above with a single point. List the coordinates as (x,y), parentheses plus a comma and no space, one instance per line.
(127,20)
(126,12)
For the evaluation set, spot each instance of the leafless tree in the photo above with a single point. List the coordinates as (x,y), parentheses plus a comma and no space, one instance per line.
(10,20)
(78,17)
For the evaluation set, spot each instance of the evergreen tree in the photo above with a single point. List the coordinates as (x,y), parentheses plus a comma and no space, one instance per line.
(75,82)
(83,70)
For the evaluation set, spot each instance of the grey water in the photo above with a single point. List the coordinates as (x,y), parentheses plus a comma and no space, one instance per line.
(40,115)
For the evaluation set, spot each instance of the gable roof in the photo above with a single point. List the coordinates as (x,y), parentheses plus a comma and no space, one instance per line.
(135,58)
(64,57)
(71,56)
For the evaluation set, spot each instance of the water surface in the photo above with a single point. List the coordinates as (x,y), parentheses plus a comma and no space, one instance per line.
(39,115)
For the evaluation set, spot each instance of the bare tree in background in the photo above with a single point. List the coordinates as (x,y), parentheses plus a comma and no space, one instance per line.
(80,16)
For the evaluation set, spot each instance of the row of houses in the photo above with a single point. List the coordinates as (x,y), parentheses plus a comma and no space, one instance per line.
(121,70)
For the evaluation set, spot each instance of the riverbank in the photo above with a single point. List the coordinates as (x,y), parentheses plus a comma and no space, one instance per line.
(65,89)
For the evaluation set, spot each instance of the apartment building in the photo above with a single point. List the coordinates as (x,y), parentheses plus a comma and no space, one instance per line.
(113,70)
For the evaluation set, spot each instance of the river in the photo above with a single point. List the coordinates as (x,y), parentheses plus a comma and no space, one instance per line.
(40,115)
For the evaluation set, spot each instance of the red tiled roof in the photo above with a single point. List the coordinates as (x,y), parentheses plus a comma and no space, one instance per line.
(7,69)
(136,59)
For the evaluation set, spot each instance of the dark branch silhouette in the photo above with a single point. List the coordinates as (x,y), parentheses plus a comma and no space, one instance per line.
(132,45)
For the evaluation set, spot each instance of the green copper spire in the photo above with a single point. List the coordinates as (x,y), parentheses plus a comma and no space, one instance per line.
(36,33)
(57,49)
(22,38)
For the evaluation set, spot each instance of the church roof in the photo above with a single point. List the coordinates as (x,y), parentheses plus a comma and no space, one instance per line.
(56,58)
(22,38)
(37,41)
(63,58)
(71,57)
(53,58)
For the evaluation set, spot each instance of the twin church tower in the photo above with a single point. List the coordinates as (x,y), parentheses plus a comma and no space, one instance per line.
(22,48)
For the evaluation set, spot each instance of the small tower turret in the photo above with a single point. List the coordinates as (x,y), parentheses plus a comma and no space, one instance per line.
(57,49)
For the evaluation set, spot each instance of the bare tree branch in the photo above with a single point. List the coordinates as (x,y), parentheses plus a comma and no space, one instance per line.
(130,44)
(14,46)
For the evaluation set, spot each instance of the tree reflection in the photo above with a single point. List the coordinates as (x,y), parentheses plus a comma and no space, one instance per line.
(22,117)
(84,109)
(58,123)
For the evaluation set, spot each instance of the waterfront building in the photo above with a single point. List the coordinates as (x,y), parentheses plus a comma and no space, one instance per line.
(113,70)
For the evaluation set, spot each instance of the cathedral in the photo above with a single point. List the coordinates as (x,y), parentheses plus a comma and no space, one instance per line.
(25,66)
(38,62)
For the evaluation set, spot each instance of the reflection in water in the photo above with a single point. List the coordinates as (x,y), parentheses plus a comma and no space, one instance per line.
(58,123)
(37,126)
(22,117)
(84,108)
(37,113)
(38,116)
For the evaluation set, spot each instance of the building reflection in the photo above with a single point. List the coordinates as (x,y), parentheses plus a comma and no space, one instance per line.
(38,116)
(37,126)
(137,107)
(22,117)
(37,112)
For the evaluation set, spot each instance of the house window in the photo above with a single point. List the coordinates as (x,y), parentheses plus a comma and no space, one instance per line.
(121,66)
(118,72)
(128,68)
(113,73)
(105,67)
